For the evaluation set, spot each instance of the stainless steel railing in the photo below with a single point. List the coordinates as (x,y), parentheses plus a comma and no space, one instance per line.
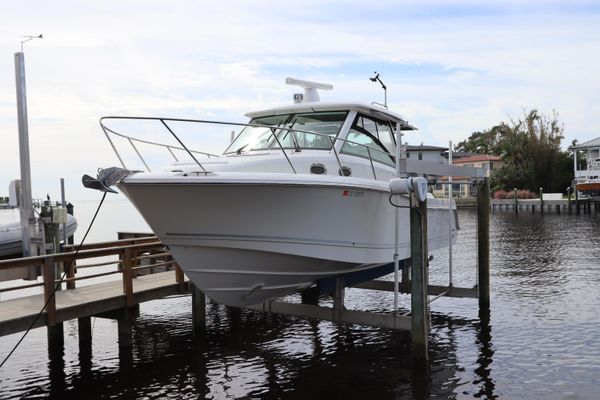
(274,134)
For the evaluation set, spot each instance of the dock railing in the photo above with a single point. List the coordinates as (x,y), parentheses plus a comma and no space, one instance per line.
(133,257)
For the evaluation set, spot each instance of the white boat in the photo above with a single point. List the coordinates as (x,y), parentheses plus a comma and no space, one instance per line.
(11,244)
(301,194)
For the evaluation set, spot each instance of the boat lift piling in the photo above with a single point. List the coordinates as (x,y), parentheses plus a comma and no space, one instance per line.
(419,281)
(415,272)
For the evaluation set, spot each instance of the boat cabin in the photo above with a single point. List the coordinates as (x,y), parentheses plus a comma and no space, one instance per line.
(310,126)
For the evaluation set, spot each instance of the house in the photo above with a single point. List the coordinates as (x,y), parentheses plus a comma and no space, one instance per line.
(462,186)
(587,165)
(427,153)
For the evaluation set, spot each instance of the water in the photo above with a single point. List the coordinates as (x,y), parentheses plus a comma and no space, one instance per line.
(542,341)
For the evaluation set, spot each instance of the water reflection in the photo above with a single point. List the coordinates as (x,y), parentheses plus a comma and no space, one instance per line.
(484,361)
(544,282)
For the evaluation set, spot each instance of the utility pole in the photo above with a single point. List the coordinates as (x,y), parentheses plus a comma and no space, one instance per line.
(25,203)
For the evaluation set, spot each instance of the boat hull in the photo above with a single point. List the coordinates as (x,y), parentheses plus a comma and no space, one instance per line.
(243,243)
(591,187)
(11,242)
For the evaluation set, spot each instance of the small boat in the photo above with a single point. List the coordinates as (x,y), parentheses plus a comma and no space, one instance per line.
(11,244)
(301,194)
(590,187)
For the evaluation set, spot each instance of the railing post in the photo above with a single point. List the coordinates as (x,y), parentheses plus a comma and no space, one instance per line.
(128,276)
(180,278)
(70,274)
(49,285)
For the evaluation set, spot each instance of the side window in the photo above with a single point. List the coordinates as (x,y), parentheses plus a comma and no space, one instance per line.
(363,134)
(386,136)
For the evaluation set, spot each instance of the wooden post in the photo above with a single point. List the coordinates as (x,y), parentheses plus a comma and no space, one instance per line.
(180,278)
(128,276)
(483,246)
(85,345)
(418,251)
(55,331)
(405,281)
(84,325)
(338,300)
(577,205)
(569,198)
(70,275)
(542,200)
(516,202)
(48,273)
(198,310)
(310,295)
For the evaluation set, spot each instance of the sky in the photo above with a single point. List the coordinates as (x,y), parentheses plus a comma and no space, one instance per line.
(451,67)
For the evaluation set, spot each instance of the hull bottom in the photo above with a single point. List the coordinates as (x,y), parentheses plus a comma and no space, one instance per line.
(239,277)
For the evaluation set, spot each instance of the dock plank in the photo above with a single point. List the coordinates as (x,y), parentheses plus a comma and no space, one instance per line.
(17,314)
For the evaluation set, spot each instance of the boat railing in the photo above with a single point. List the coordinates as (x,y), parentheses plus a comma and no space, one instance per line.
(275,131)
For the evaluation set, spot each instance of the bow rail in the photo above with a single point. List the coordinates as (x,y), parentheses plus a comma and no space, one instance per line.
(274,135)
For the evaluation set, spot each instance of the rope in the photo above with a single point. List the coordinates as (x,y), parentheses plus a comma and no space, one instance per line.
(58,285)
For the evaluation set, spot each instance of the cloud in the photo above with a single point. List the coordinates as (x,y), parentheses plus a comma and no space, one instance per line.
(452,67)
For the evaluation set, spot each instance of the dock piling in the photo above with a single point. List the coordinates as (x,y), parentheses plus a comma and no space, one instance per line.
(419,306)
(338,299)
(84,330)
(198,310)
(483,245)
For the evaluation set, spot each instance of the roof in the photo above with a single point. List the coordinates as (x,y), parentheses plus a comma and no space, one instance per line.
(587,145)
(460,154)
(477,158)
(372,110)
(425,148)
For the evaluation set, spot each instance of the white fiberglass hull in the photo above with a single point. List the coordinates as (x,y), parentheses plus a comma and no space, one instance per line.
(11,242)
(245,241)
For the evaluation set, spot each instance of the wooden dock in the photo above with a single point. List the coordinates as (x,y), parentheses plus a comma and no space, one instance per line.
(17,315)
(136,260)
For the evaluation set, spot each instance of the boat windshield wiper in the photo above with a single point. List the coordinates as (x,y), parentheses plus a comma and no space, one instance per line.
(239,151)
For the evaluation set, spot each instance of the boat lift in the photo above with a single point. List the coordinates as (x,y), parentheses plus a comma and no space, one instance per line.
(412,181)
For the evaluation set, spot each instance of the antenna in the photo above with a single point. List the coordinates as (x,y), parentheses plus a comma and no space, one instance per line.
(376,79)
(40,36)
(310,90)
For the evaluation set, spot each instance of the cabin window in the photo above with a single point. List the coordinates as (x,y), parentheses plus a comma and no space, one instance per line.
(323,124)
(255,138)
(367,132)
(326,125)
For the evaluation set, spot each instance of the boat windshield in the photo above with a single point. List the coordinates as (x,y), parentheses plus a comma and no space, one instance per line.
(261,138)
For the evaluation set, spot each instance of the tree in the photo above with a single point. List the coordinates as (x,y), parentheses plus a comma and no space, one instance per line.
(530,149)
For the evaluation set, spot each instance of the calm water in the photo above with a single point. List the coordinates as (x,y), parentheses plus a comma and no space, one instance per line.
(542,342)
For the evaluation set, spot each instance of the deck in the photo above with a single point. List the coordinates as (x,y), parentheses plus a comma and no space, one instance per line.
(16,315)
(145,266)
